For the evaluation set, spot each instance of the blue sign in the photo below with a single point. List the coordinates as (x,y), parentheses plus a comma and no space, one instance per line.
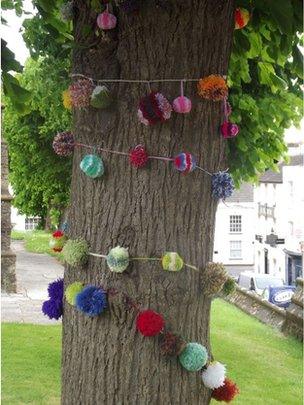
(281,296)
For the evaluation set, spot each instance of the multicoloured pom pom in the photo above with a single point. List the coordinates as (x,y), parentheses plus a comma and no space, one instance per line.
(214,375)
(138,156)
(222,185)
(52,309)
(171,261)
(241,18)
(154,108)
(229,286)
(171,344)
(71,292)
(66,99)
(229,130)
(184,162)
(63,143)
(193,357)
(92,166)
(118,259)
(227,392)
(67,11)
(149,323)
(213,87)
(106,21)
(214,277)
(101,97)
(182,105)
(81,92)
(57,241)
(130,6)
(92,301)
(75,252)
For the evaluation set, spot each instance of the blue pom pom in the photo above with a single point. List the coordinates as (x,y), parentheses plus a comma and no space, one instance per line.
(91,300)
(55,290)
(52,308)
(222,185)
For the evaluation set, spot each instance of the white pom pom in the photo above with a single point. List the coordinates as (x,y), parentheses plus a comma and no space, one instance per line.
(214,375)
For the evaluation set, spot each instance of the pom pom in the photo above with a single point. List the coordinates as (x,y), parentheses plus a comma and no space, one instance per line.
(229,286)
(229,130)
(118,259)
(66,99)
(71,292)
(75,252)
(55,290)
(52,308)
(57,241)
(213,87)
(154,108)
(241,18)
(222,185)
(214,375)
(184,162)
(92,166)
(138,156)
(81,92)
(106,21)
(227,392)
(171,344)
(182,105)
(67,11)
(171,261)
(101,97)
(193,357)
(92,301)
(130,6)
(149,323)
(214,277)
(63,143)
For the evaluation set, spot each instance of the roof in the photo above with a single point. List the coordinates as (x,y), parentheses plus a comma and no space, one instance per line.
(276,177)
(243,194)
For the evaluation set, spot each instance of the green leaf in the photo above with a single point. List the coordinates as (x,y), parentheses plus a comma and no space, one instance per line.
(282,13)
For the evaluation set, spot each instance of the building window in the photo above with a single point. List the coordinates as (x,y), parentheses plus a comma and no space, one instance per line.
(31,223)
(236,223)
(235,249)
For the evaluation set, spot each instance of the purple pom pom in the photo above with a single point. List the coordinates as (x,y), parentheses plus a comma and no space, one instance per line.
(63,143)
(55,290)
(91,300)
(52,308)
(222,185)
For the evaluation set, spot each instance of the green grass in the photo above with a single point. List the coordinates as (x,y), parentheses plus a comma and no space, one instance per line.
(265,364)
(18,235)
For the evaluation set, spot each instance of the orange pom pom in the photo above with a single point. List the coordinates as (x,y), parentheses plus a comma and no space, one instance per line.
(213,87)
(241,18)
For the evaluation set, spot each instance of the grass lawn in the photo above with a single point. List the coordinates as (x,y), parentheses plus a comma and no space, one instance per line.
(265,364)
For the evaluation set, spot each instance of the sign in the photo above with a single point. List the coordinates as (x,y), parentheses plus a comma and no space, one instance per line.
(281,296)
(280,241)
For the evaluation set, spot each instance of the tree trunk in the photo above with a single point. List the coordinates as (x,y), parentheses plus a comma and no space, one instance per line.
(149,210)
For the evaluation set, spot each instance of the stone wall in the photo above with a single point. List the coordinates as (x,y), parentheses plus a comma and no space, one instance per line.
(294,313)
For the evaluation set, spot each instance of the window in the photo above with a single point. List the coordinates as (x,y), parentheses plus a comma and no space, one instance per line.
(235,249)
(31,223)
(236,223)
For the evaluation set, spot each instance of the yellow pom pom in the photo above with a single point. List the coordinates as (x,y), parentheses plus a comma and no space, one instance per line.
(66,99)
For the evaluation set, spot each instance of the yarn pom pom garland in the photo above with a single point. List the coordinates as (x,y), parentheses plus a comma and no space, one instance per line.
(214,375)
(81,92)
(55,290)
(118,259)
(106,21)
(227,392)
(149,323)
(138,156)
(154,108)
(92,166)
(213,87)
(193,357)
(52,308)
(171,261)
(92,301)
(101,97)
(171,344)
(57,241)
(184,162)
(222,185)
(229,130)
(214,277)
(75,252)
(63,143)
(71,292)
(66,99)
(241,18)
(229,286)
(182,105)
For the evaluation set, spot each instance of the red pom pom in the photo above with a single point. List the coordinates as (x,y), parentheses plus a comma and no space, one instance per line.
(138,156)
(227,392)
(149,323)
(58,234)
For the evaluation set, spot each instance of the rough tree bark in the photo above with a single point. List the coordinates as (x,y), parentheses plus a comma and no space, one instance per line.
(151,210)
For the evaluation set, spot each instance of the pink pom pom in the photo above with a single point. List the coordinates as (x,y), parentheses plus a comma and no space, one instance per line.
(229,130)
(138,156)
(106,21)
(182,105)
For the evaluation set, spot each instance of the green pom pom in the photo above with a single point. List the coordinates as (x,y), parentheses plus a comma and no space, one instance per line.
(101,97)
(75,252)
(92,166)
(229,287)
(193,357)
(118,259)
(71,292)
(172,261)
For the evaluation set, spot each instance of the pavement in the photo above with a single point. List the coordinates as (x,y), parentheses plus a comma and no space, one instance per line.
(33,272)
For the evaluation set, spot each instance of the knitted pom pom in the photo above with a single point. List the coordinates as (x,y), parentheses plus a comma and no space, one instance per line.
(213,87)
(101,97)
(130,6)
(92,301)
(138,156)
(229,130)
(214,375)
(55,290)
(52,308)
(171,261)
(75,252)
(71,292)
(229,286)
(227,392)
(118,259)
(154,108)
(222,185)
(81,92)
(184,162)
(241,18)
(66,99)
(63,143)
(149,323)
(214,277)
(106,21)
(193,357)
(92,166)
(57,241)
(182,105)
(171,344)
